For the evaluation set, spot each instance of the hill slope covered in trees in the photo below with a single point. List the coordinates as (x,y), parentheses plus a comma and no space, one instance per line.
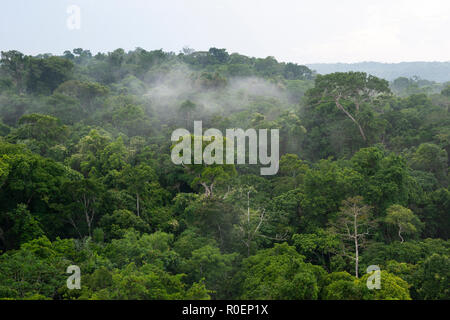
(433,71)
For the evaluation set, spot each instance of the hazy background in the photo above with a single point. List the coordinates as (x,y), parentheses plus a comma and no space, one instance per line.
(299,31)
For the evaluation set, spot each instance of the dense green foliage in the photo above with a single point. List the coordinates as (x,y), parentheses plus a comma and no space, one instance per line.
(86,179)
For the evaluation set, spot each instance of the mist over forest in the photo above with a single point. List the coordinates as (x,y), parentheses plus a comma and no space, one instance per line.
(86,178)
(431,71)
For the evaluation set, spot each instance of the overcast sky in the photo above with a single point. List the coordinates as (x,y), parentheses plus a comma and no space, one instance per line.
(301,31)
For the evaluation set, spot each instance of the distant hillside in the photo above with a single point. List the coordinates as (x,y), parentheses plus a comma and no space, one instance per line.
(434,71)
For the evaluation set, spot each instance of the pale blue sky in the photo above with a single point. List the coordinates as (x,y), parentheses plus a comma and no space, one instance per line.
(297,30)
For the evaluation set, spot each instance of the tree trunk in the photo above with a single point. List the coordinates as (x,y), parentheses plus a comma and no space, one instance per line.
(89,225)
(248,208)
(351,118)
(400,234)
(89,213)
(356,246)
(248,224)
(208,189)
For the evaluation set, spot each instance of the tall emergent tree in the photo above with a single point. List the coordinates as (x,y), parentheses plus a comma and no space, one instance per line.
(349,90)
(353,224)
(402,218)
(15,64)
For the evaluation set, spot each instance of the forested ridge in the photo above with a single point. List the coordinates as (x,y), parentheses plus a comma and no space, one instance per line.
(86,179)
(431,71)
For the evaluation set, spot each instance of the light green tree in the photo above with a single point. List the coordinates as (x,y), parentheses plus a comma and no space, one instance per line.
(403,219)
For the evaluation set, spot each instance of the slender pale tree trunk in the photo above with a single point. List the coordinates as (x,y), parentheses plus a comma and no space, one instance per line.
(88,212)
(356,243)
(341,107)
(400,233)
(248,223)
